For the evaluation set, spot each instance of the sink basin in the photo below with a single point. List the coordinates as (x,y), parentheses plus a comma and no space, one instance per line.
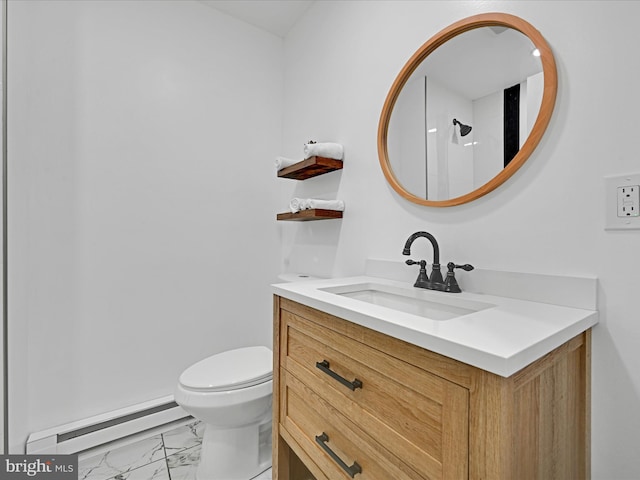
(424,303)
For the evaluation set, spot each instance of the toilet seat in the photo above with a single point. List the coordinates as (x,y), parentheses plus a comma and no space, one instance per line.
(230,370)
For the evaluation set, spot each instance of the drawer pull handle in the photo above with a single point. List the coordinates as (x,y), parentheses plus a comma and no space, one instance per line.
(351,470)
(324,366)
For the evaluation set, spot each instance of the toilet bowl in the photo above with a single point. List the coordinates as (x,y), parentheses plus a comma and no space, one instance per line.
(231,393)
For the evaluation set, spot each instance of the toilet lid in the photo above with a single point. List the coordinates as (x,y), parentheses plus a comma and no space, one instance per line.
(230,370)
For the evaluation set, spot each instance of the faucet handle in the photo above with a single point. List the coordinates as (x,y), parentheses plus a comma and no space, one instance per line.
(450,283)
(413,262)
(423,278)
(466,267)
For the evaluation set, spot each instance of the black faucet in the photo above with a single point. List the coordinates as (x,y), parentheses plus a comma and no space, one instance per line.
(436,282)
(423,279)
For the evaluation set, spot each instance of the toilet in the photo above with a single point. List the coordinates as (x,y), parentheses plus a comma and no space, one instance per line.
(231,393)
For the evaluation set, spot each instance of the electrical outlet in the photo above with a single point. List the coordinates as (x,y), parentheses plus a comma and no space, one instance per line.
(622,202)
(628,201)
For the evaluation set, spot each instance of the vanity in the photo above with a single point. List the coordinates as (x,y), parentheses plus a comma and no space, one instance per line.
(377,380)
(494,388)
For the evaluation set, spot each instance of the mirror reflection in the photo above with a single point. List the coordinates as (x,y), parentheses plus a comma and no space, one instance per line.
(465,112)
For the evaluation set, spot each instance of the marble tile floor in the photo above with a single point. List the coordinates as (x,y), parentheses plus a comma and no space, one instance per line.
(169,455)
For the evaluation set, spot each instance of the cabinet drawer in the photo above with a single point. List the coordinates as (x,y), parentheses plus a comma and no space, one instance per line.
(414,414)
(335,444)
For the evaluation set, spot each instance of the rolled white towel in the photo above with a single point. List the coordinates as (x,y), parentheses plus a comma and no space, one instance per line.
(297,204)
(284,162)
(327,150)
(325,204)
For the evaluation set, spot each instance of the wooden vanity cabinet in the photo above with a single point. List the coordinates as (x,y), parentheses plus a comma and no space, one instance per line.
(350,402)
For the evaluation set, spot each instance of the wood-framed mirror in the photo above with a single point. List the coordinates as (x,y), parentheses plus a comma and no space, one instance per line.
(467,110)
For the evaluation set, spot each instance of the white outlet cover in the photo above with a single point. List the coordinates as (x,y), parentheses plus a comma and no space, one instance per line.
(628,202)
(617,201)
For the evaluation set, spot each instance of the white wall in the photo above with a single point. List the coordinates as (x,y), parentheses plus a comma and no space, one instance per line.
(534,88)
(406,138)
(340,62)
(488,126)
(142,199)
(451,163)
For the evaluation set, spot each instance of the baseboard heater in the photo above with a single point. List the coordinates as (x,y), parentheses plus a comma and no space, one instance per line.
(94,431)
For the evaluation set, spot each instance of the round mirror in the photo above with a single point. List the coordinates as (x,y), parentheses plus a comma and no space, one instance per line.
(467,110)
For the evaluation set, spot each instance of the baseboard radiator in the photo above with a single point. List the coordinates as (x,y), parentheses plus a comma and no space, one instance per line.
(94,431)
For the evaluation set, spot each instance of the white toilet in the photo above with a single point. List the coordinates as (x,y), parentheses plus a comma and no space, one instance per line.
(231,393)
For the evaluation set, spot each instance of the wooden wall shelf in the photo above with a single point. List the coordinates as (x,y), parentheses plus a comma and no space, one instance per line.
(311,167)
(309,215)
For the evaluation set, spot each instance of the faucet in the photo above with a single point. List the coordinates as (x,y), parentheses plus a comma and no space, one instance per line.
(436,282)
(423,279)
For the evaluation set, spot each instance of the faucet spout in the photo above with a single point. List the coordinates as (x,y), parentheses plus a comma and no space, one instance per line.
(431,238)
(436,281)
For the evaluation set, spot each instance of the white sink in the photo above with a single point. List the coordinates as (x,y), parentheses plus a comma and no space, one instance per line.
(416,301)
(497,333)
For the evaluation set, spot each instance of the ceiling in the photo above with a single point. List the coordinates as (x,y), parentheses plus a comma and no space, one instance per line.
(475,51)
(275,16)
(481,61)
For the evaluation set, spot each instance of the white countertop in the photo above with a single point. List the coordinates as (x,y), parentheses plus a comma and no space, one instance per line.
(502,339)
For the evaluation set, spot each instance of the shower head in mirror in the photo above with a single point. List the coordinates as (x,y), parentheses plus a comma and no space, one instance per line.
(464,129)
